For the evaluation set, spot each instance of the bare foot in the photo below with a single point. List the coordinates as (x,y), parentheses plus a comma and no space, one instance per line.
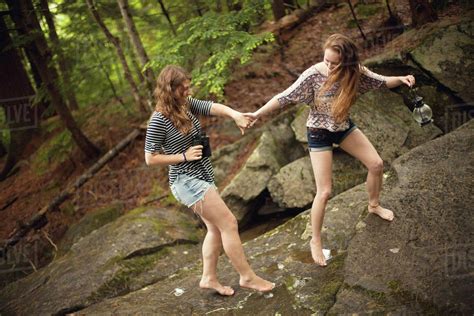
(317,252)
(215,285)
(382,212)
(257,283)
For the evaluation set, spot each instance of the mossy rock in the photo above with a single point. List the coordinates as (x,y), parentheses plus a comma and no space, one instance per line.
(88,223)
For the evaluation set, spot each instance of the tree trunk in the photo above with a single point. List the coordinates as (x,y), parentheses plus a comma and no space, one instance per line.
(291,4)
(234,5)
(3,150)
(219,6)
(107,75)
(278,9)
(167,16)
(142,107)
(15,96)
(137,43)
(127,46)
(393,22)
(44,106)
(421,12)
(25,19)
(197,6)
(63,65)
(357,21)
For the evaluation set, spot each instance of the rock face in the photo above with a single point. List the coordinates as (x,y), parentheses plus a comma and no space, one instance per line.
(440,56)
(294,187)
(111,260)
(389,125)
(424,254)
(88,223)
(417,264)
(448,55)
(275,146)
(383,118)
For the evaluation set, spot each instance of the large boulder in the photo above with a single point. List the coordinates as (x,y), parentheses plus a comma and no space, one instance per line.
(88,223)
(448,55)
(245,175)
(383,118)
(281,255)
(294,187)
(417,264)
(424,255)
(138,248)
(440,56)
(389,125)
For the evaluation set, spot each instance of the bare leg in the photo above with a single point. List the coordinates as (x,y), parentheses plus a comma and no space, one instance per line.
(216,212)
(211,249)
(359,146)
(321,162)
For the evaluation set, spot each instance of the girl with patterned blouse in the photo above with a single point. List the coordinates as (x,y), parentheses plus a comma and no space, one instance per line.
(330,88)
(168,142)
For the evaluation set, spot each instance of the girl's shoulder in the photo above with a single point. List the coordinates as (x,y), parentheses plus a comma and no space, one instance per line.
(156,115)
(156,118)
(320,68)
(314,71)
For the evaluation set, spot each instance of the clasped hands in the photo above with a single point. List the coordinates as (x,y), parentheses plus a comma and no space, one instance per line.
(245,120)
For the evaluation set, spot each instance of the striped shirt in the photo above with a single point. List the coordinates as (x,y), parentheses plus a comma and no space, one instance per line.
(162,135)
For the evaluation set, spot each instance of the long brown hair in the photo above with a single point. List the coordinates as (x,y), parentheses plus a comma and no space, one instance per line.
(347,73)
(168,102)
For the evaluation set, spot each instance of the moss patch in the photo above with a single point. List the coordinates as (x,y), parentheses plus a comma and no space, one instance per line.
(53,152)
(364,11)
(407,297)
(193,233)
(137,211)
(328,285)
(166,199)
(157,225)
(88,223)
(119,284)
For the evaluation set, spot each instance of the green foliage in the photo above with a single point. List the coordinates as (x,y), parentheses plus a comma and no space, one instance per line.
(210,40)
(56,150)
(364,11)
(351,24)
(211,44)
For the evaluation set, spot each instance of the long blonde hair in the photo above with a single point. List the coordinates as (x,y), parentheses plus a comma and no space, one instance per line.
(347,73)
(168,102)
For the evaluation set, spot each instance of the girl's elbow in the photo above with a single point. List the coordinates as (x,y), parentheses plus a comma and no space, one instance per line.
(148,159)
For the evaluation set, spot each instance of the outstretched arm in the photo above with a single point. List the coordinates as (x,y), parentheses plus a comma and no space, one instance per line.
(270,106)
(395,81)
(301,91)
(371,80)
(240,120)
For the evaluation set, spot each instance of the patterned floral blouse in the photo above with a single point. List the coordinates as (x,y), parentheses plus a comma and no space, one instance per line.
(306,88)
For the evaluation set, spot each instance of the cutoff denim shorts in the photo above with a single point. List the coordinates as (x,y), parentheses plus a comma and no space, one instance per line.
(322,139)
(189,190)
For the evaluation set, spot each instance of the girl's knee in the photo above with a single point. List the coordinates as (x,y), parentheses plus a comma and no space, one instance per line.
(323,194)
(229,223)
(213,230)
(376,166)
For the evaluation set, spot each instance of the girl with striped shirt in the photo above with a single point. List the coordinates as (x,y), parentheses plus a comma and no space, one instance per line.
(168,142)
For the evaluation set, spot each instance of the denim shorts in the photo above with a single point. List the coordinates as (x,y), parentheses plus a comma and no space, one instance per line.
(189,190)
(322,139)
